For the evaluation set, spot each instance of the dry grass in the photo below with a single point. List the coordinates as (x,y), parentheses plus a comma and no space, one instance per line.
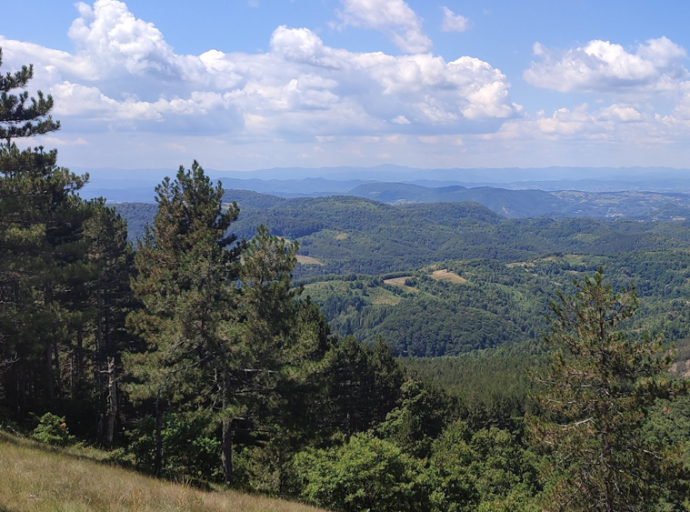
(400,281)
(447,275)
(308,260)
(523,264)
(34,478)
(342,236)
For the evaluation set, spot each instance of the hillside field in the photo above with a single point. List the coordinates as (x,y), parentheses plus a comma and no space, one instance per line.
(37,478)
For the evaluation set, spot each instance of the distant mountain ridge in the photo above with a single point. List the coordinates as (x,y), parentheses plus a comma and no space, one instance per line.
(127,185)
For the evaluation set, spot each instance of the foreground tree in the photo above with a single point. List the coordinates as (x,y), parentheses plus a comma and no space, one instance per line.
(42,254)
(596,395)
(185,272)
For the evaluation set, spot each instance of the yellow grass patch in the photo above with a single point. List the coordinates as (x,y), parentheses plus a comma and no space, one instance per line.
(35,478)
(308,260)
(520,264)
(342,236)
(447,275)
(400,281)
(397,281)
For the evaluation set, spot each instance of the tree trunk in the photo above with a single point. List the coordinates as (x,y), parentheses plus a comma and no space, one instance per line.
(50,385)
(80,352)
(48,355)
(112,402)
(158,461)
(58,371)
(226,448)
(99,324)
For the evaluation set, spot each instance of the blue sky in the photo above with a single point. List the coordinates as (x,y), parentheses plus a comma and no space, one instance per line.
(252,84)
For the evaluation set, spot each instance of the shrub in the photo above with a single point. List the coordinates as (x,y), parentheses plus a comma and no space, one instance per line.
(365,474)
(53,430)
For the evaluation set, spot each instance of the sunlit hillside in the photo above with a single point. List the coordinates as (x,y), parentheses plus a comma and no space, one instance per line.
(37,478)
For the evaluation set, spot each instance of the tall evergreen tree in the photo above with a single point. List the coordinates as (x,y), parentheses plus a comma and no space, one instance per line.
(186,270)
(596,395)
(41,252)
(110,298)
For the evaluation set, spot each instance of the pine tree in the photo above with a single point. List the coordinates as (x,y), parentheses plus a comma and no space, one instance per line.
(110,298)
(285,341)
(41,252)
(596,394)
(186,270)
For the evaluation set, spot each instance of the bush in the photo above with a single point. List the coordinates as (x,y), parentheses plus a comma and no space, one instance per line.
(53,430)
(365,474)
(190,451)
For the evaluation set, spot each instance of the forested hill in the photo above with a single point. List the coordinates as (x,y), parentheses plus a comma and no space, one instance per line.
(347,234)
(446,278)
(456,306)
(647,206)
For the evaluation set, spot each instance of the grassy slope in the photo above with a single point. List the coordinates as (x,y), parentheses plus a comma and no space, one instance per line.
(36,478)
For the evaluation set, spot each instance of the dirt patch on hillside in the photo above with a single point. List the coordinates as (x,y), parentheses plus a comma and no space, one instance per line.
(447,275)
(400,281)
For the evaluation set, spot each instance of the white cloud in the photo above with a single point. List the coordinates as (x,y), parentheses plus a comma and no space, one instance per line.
(620,113)
(615,126)
(110,37)
(124,76)
(453,22)
(392,17)
(602,66)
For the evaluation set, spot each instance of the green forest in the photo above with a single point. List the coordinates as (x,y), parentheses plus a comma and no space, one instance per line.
(339,351)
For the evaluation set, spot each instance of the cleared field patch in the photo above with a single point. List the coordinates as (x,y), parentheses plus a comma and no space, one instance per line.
(308,260)
(523,264)
(400,281)
(397,281)
(342,236)
(447,275)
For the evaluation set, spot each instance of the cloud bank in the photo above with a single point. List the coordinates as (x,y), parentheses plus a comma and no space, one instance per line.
(601,66)
(124,92)
(123,73)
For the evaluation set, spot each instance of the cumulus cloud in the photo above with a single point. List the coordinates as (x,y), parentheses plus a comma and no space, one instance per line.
(392,17)
(124,75)
(453,22)
(602,66)
(109,38)
(613,126)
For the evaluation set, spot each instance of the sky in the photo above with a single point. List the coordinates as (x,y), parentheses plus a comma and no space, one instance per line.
(250,84)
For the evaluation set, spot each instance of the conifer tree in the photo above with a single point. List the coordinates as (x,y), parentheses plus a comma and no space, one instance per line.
(111,259)
(186,270)
(596,394)
(285,341)
(41,251)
